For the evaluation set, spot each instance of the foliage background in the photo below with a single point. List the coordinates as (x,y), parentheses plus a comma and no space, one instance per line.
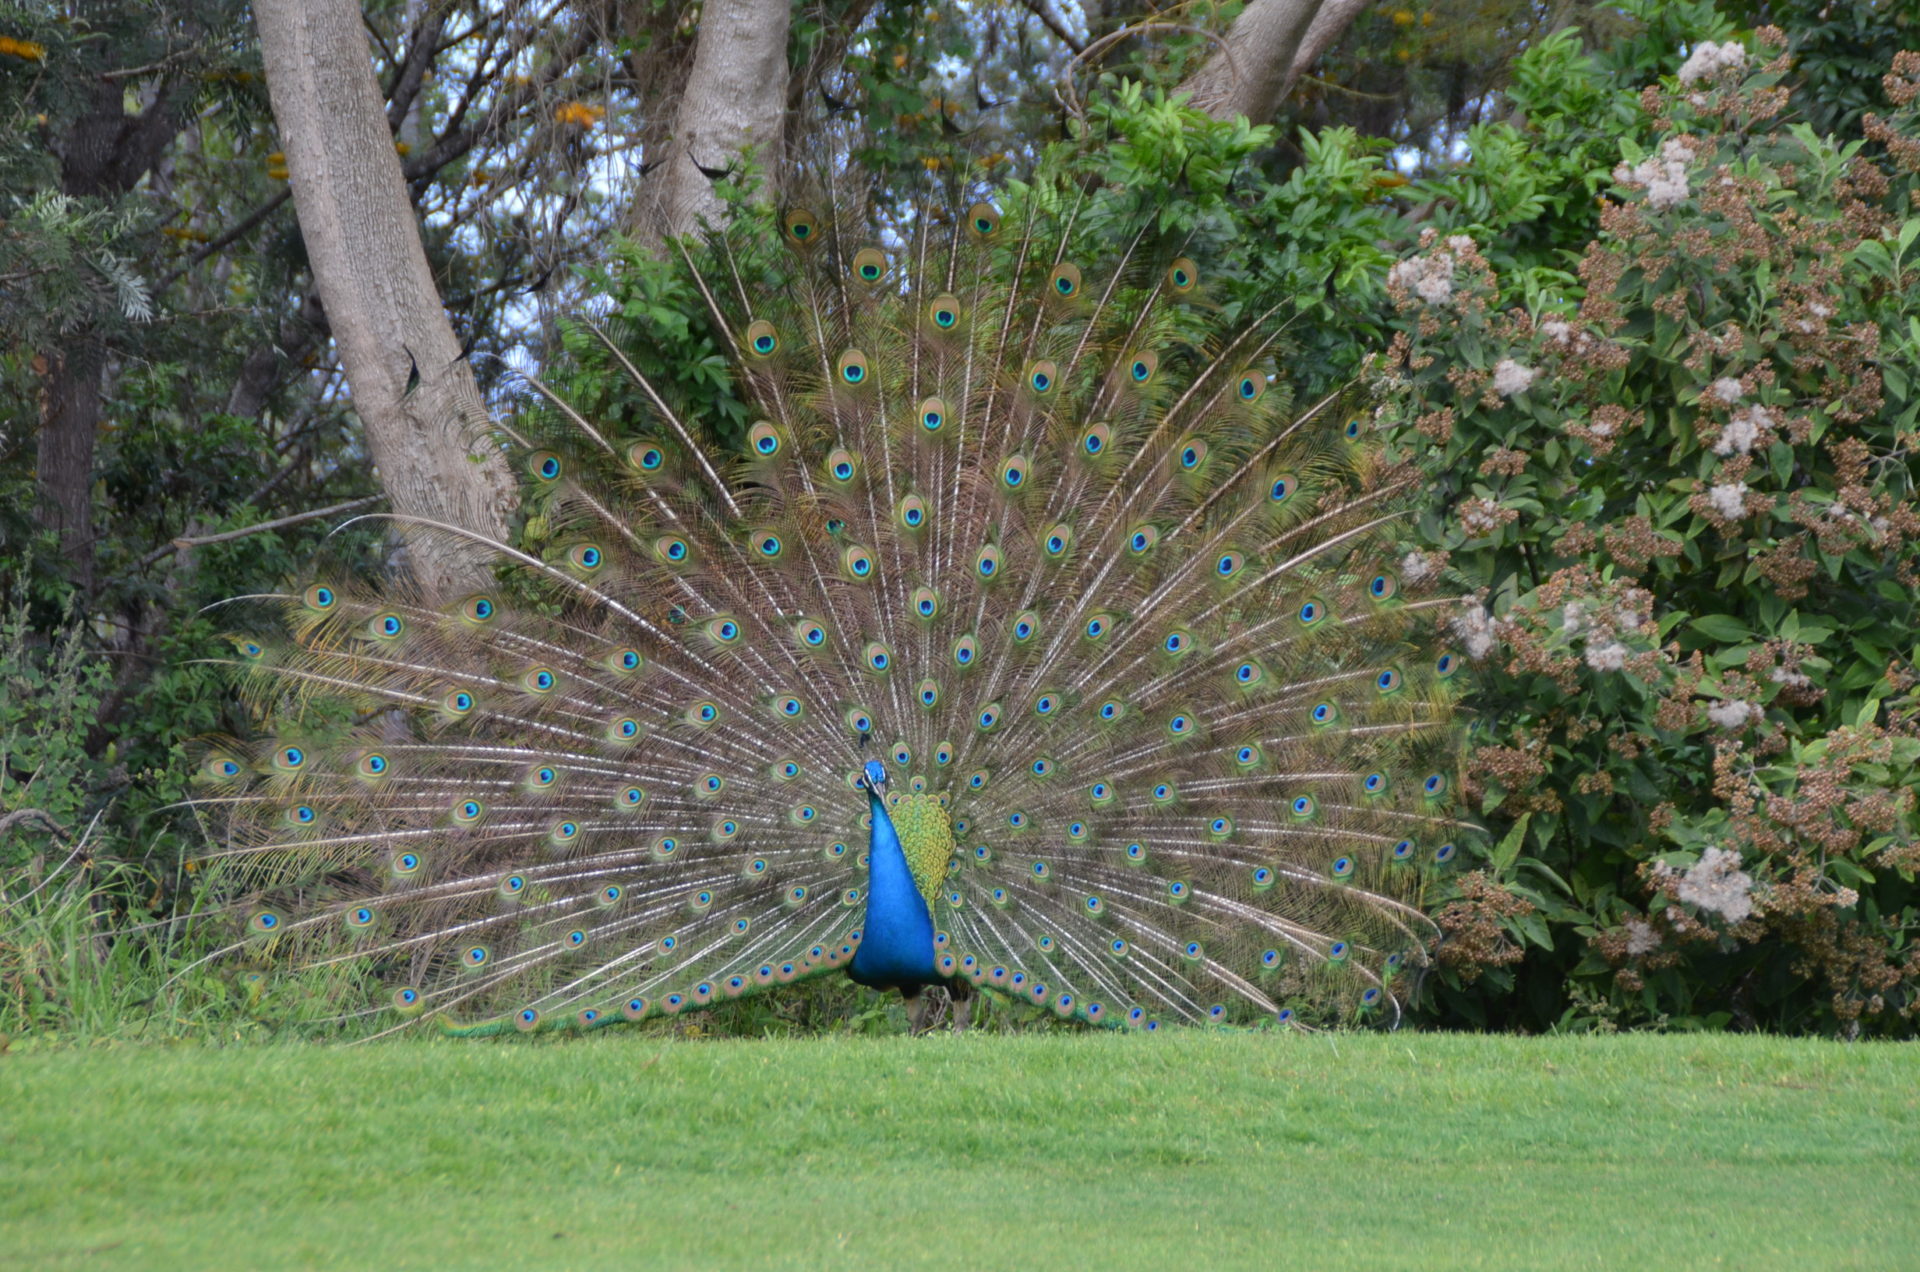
(1499,135)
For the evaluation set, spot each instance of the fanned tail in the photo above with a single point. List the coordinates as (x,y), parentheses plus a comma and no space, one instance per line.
(1169,736)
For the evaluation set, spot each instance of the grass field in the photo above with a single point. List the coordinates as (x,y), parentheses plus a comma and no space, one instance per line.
(1189,1152)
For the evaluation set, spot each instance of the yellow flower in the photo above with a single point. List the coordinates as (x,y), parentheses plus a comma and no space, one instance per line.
(278,159)
(26,50)
(401,147)
(579,113)
(1403,17)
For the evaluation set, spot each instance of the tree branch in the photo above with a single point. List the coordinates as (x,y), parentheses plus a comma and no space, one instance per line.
(278,523)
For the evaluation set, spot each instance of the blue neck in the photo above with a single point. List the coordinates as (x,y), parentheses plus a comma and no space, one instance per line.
(896,949)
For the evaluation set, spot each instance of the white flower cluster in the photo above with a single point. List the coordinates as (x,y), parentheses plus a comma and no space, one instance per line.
(1607,656)
(1641,938)
(1662,176)
(1726,390)
(1733,714)
(1417,567)
(1709,59)
(1729,499)
(1428,277)
(1480,516)
(1715,883)
(1742,431)
(1509,377)
(1478,630)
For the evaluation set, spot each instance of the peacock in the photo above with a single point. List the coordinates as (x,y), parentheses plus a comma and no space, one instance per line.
(1030,641)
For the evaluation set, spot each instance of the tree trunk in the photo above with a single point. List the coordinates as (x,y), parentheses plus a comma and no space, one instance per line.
(426,425)
(1268,47)
(735,100)
(1328,25)
(103,154)
(63,466)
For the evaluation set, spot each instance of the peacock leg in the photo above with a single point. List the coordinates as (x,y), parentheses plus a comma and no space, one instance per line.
(919,1007)
(962,995)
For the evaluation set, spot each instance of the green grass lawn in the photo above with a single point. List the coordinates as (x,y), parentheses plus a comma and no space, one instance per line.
(1186,1152)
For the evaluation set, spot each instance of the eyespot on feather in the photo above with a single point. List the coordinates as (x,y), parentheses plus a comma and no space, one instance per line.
(802,228)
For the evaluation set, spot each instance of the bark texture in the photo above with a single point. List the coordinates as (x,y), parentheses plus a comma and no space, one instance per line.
(735,100)
(426,425)
(1266,50)
(63,465)
(1328,25)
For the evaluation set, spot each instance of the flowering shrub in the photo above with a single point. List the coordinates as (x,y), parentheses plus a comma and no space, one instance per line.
(1682,490)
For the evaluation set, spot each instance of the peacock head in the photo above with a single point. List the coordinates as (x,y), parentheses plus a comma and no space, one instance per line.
(876,777)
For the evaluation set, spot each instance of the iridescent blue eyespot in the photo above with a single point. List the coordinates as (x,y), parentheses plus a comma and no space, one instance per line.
(1281,488)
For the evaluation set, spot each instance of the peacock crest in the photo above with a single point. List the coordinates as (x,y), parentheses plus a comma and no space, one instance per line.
(1030,641)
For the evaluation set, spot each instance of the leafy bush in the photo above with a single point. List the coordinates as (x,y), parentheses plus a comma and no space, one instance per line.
(1683,488)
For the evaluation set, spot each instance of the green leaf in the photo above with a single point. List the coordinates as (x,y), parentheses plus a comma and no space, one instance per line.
(1722,627)
(1509,846)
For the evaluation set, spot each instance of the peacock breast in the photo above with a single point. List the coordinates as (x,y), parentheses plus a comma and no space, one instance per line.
(926,838)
